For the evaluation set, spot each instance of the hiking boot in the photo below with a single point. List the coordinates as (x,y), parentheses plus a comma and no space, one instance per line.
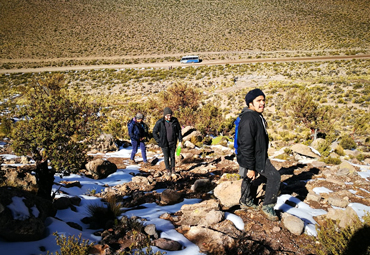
(248,205)
(270,213)
(173,170)
(168,172)
(132,162)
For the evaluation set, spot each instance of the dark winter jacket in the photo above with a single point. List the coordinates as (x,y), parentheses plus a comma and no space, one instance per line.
(138,131)
(160,133)
(252,141)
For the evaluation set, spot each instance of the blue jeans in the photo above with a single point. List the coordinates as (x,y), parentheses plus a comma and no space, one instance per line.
(135,146)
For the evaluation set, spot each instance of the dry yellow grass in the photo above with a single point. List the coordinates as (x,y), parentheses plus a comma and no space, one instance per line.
(79,28)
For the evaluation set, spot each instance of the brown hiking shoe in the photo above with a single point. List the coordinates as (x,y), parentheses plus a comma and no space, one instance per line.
(173,170)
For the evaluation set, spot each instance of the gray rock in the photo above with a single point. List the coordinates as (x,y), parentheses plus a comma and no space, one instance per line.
(62,203)
(167,244)
(193,214)
(200,184)
(345,217)
(151,231)
(189,145)
(170,197)
(100,168)
(211,217)
(294,224)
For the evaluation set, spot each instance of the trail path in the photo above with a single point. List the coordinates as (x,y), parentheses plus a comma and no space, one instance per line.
(176,64)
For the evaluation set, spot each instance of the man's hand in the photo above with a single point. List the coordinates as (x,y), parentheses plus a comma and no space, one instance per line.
(251,174)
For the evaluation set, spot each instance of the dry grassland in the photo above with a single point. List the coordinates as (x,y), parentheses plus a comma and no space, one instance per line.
(63,28)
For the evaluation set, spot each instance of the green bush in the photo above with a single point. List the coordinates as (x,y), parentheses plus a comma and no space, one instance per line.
(347,142)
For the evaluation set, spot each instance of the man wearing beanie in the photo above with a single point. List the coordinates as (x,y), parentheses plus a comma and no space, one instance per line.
(252,155)
(138,132)
(166,132)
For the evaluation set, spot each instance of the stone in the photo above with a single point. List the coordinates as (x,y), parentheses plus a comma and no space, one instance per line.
(193,214)
(170,197)
(312,196)
(335,200)
(209,241)
(292,223)
(15,225)
(100,168)
(345,217)
(228,193)
(151,231)
(62,203)
(347,166)
(105,143)
(189,145)
(304,150)
(189,132)
(201,184)
(167,244)
(211,217)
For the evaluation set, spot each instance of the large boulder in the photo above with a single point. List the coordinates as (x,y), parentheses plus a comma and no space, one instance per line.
(228,193)
(100,168)
(23,215)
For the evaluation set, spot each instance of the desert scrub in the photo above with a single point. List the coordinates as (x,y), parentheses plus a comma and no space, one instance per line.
(333,240)
(332,161)
(71,245)
(347,142)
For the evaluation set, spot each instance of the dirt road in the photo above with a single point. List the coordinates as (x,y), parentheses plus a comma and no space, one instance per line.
(176,64)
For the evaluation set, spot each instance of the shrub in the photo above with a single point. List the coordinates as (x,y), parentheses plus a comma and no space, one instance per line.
(347,142)
(332,161)
(331,239)
(339,150)
(72,245)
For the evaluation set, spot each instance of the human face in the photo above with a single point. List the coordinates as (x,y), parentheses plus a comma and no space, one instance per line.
(258,104)
(168,116)
(139,120)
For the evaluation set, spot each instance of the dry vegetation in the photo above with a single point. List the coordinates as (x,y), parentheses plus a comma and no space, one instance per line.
(68,29)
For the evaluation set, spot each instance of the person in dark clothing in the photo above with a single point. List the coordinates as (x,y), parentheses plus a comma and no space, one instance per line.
(252,154)
(138,132)
(166,132)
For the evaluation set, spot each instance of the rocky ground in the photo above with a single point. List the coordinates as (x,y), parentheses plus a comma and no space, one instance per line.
(210,174)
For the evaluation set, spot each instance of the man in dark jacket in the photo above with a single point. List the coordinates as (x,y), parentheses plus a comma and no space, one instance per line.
(138,132)
(166,132)
(252,155)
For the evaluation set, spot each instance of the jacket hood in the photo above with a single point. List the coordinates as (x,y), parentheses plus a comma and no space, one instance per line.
(245,109)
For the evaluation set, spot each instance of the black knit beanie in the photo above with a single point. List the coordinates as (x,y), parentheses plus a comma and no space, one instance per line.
(252,95)
(166,111)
